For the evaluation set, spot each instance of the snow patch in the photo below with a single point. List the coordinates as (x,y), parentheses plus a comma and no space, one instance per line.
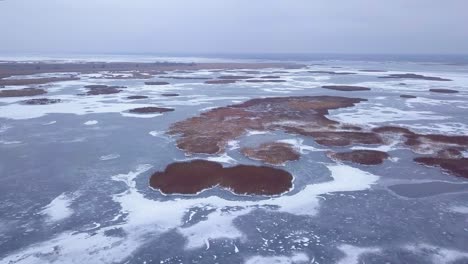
(377,114)
(59,208)
(353,254)
(49,123)
(90,123)
(459,209)
(224,158)
(109,157)
(298,257)
(256,132)
(6,142)
(438,255)
(233,144)
(299,144)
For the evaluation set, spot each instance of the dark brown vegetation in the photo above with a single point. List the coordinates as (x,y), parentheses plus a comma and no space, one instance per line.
(99,86)
(11,82)
(41,101)
(156,83)
(413,76)
(250,72)
(392,130)
(344,138)
(127,76)
(456,166)
(265,81)
(443,91)
(407,96)
(346,88)
(422,143)
(195,176)
(365,157)
(22,92)
(275,153)
(97,89)
(446,149)
(210,131)
(27,68)
(150,110)
(450,153)
(137,97)
(434,142)
(372,70)
(220,81)
(270,77)
(305,115)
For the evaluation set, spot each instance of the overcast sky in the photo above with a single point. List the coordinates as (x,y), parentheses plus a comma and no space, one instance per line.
(234,26)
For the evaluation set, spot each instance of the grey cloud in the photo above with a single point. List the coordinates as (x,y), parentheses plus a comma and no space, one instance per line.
(234,26)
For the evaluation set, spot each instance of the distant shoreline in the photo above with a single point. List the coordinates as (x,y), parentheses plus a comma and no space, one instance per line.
(456,59)
(12,68)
